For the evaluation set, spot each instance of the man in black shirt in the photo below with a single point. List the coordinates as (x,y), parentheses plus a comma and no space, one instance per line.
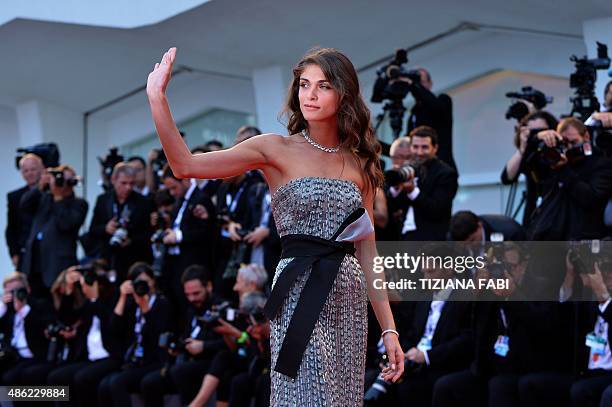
(120,224)
(575,188)
(426,198)
(18,223)
(433,111)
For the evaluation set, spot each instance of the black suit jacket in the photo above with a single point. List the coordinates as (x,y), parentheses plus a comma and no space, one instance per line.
(198,235)
(157,321)
(437,112)
(35,323)
(59,223)
(505,225)
(574,201)
(18,222)
(432,208)
(139,230)
(103,310)
(213,342)
(533,329)
(452,340)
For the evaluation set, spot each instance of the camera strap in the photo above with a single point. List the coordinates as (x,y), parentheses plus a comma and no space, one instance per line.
(138,326)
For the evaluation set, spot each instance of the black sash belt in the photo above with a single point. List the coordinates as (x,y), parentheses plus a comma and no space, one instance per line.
(325,257)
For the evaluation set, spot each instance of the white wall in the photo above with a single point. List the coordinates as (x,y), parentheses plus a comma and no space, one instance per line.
(10,179)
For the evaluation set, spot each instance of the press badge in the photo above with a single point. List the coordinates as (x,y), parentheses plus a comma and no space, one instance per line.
(424,344)
(596,343)
(502,346)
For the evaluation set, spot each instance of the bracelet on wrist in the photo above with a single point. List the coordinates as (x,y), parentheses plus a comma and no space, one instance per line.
(386,331)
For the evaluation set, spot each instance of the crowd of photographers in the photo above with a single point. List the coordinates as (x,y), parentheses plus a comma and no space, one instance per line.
(166,306)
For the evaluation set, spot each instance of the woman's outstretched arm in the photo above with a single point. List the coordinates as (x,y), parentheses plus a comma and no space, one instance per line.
(366,251)
(243,157)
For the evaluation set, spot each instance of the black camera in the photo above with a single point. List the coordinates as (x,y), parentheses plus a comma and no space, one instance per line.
(121,233)
(211,317)
(141,287)
(161,227)
(518,110)
(584,254)
(20,293)
(386,85)
(398,176)
(540,155)
(108,164)
(60,181)
(242,232)
(171,341)
(54,330)
(89,274)
(584,101)
(48,152)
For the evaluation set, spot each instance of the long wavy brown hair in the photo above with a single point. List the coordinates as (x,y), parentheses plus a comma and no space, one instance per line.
(353,117)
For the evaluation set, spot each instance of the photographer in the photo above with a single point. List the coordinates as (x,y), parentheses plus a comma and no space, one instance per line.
(120,223)
(433,111)
(23,321)
(576,187)
(57,217)
(193,350)
(85,299)
(18,223)
(254,384)
(509,336)
(243,350)
(189,235)
(439,340)
(401,156)
(140,178)
(517,165)
(590,333)
(232,208)
(140,316)
(426,197)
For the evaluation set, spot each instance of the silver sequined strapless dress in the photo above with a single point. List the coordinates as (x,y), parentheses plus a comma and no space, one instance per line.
(332,369)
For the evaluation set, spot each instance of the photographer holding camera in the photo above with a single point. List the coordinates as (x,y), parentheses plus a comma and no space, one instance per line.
(84,298)
(433,111)
(243,350)
(189,235)
(23,321)
(576,186)
(120,223)
(438,339)
(18,223)
(527,128)
(193,350)
(425,192)
(57,217)
(585,296)
(513,338)
(140,316)
(233,210)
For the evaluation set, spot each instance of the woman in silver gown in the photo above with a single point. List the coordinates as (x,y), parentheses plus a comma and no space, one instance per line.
(324,175)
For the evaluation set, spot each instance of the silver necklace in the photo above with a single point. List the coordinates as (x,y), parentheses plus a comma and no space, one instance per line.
(319,146)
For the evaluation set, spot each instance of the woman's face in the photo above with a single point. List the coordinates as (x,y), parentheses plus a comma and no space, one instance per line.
(318,99)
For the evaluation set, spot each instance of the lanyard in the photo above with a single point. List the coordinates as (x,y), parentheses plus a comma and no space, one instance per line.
(503,318)
(232,203)
(265,212)
(179,215)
